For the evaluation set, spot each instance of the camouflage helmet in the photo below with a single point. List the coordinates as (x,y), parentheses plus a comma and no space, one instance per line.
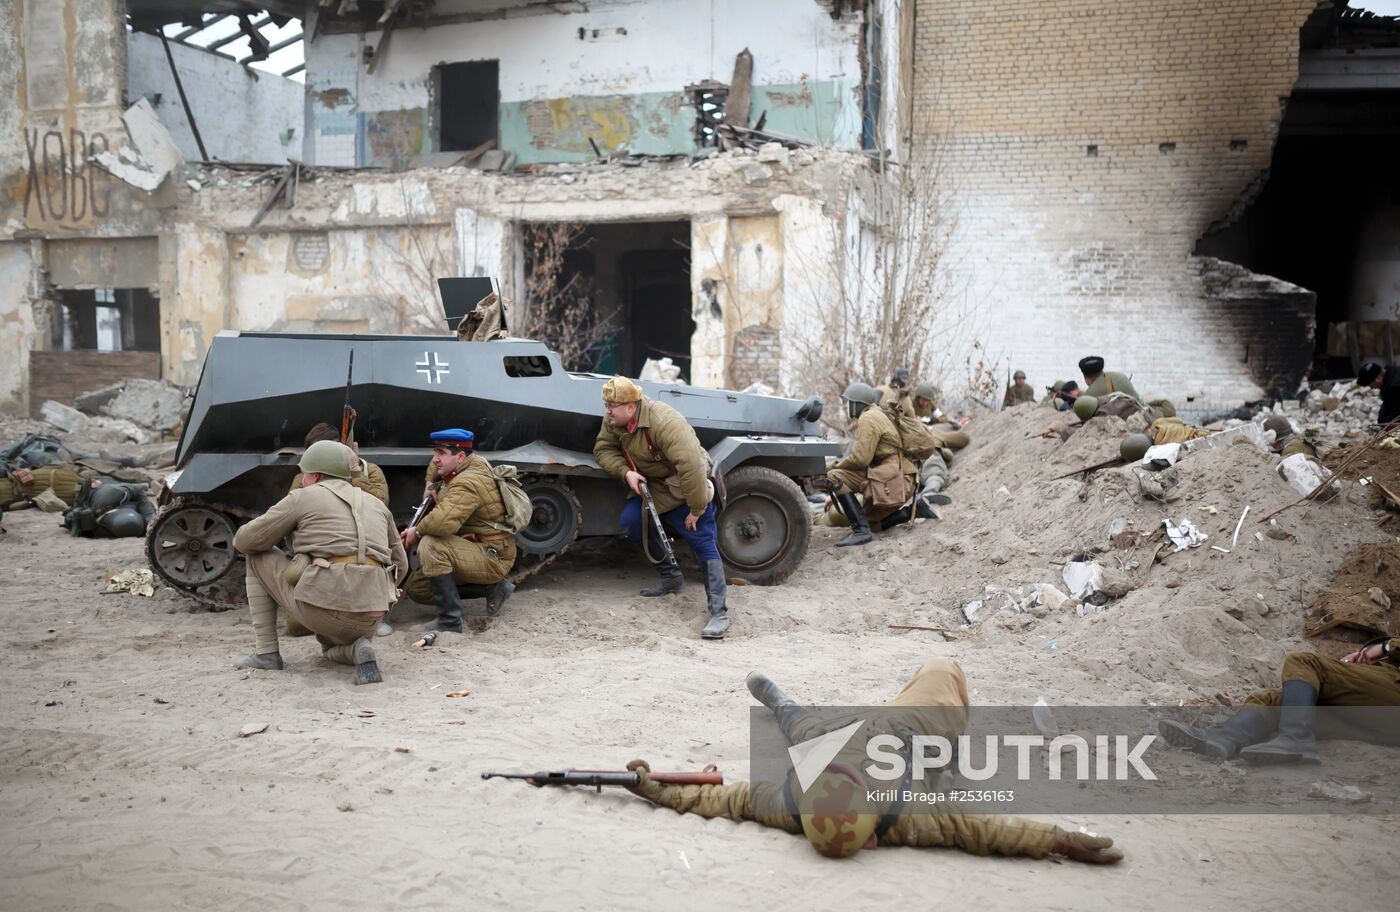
(863,393)
(123,522)
(326,457)
(1280,425)
(1085,407)
(1134,447)
(926,390)
(830,819)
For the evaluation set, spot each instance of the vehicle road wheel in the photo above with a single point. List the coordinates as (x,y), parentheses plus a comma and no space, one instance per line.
(191,547)
(764,527)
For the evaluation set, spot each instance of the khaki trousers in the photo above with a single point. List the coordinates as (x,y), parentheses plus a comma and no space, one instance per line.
(332,628)
(467,561)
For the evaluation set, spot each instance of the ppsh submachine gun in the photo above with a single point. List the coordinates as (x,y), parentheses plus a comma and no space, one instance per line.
(596,779)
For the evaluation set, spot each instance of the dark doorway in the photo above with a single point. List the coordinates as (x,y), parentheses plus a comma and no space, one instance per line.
(468,101)
(635,278)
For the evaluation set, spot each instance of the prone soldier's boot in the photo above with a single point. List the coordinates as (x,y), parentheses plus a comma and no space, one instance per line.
(1295,742)
(266,654)
(771,695)
(860,529)
(671,580)
(1220,742)
(448,602)
(717,589)
(495,594)
(897,518)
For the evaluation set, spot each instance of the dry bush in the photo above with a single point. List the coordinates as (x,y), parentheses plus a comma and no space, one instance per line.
(558,309)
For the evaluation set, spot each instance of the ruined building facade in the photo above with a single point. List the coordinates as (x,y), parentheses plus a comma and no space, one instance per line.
(738,178)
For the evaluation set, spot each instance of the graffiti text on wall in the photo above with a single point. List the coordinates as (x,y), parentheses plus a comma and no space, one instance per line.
(61,187)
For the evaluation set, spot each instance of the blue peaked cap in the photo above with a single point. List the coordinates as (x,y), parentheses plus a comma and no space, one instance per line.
(453,437)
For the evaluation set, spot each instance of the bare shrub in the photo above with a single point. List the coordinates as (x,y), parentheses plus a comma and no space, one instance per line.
(558,309)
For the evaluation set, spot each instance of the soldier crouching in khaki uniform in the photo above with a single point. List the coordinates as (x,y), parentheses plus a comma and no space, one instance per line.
(934,702)
(1276,725)
(461,541)
(874,467)
(348,555)
(645,441)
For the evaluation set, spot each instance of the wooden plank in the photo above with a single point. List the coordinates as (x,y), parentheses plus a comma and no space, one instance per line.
(63,376)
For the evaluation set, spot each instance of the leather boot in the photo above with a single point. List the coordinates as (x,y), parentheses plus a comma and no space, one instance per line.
(671,580)
(1295,742)
(860,529)
(771,695)
(496,596)
(717,590)
(448,602)
(1219,742)
(897,518)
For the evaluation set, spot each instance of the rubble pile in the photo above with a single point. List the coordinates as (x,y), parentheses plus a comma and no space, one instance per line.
(1344,410)
(1188,576)
(139,411)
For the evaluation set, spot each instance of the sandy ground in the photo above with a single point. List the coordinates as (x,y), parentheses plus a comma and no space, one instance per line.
(125,784)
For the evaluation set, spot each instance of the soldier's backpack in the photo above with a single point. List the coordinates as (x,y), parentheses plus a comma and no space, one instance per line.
(915,437)
(518,509)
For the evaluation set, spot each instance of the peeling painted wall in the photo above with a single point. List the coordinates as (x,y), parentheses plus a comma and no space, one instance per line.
(18,332)
(615,73)
(243,115)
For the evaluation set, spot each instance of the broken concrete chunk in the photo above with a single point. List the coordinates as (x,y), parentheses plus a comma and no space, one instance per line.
(1304,475)
(1378,596)
(152,404)
(91,402)
(1115,583)
(63,417)
(252,728)
(128,429)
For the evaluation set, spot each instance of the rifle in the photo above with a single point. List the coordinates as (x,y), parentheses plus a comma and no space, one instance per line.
(419,513)
(1106,464)
(623,778)
(347,413)
(670,558)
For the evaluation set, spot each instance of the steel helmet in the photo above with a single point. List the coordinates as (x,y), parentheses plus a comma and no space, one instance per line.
(1134,447)
(109,496)
(1085,407)
(1280,425)
(123,522)
(327,457)
(927,391)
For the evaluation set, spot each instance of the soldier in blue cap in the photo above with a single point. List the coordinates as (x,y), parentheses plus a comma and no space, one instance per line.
(462,540)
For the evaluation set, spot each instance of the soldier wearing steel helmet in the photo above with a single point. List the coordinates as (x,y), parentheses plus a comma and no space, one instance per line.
(344,583)
(644,441)
(837,813)
(877,445)
(1019,392)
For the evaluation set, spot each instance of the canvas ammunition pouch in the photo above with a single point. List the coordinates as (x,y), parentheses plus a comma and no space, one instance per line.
(886,484)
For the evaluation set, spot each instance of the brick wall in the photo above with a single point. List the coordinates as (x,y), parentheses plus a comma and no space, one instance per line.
(1086,147)
(756,357)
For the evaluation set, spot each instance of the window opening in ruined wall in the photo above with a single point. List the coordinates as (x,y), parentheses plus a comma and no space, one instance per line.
(466,104)
(107,320)
(710,100)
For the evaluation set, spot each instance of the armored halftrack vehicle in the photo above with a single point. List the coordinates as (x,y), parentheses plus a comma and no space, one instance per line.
(259,393)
